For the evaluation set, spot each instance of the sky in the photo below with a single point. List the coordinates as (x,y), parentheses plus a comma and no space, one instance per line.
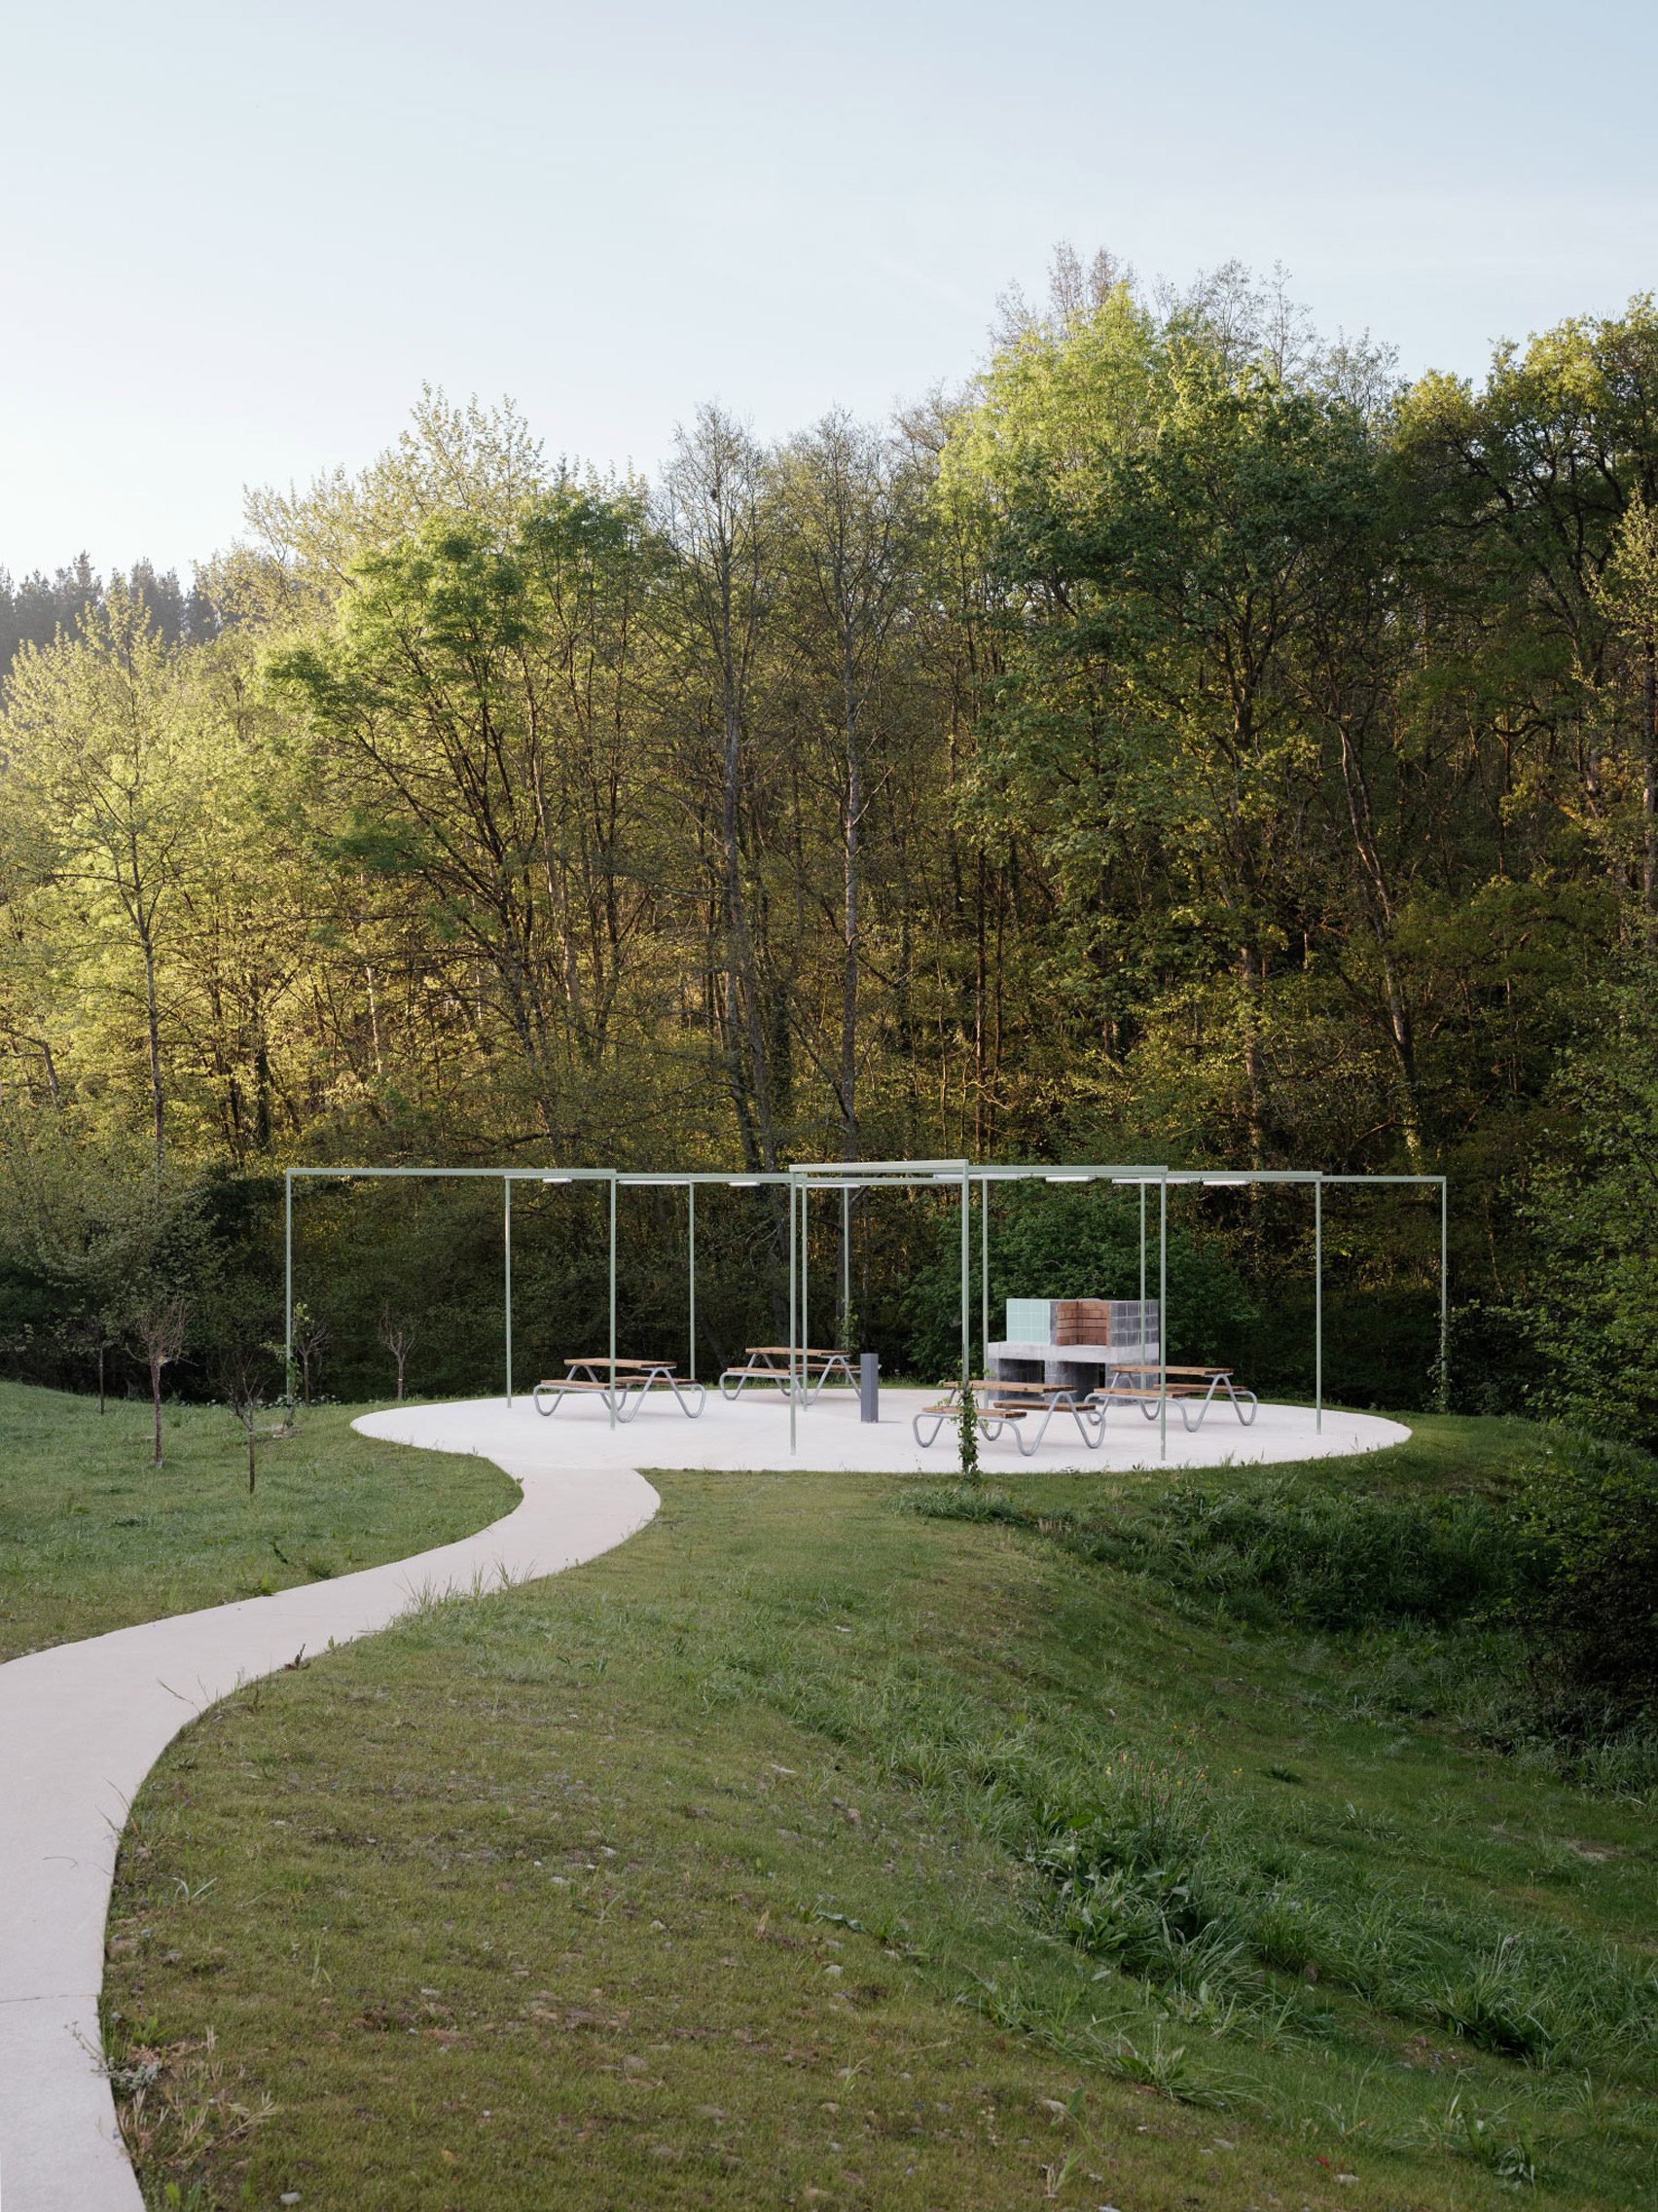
(240,237)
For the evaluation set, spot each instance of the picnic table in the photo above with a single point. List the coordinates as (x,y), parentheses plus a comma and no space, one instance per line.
(614,1378)
(769,1363)
(1189,1387)
(998,1405)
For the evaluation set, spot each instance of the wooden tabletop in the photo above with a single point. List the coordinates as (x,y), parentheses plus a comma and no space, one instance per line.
(781,1352)
(1150,1367)
(1043,1390)
(603,1360)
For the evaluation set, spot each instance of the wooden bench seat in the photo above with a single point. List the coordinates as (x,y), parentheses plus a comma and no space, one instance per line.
(815,1369)
(1187,1386)
(996,1405)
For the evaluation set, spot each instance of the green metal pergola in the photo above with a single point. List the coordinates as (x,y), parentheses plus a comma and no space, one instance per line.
(851,1177)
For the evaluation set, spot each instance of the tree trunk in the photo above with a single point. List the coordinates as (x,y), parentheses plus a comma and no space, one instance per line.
(751,1086)
(1404,1054)
(156,1403)
(853,922)
(1380,904)
(152,1021)
(1252,980)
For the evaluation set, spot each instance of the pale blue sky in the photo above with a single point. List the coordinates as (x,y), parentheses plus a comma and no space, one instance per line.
(238,236)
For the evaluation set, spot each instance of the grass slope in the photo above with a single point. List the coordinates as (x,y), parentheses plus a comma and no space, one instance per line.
(743,1866)
(93,1536)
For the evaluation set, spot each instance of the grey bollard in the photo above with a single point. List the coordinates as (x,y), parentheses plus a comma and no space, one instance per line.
(869,1386)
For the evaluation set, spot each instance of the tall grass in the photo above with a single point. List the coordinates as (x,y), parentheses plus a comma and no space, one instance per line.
(1271,1555)
(1143,1865)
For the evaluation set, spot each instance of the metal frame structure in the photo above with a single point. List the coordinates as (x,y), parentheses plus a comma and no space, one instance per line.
(850,1177)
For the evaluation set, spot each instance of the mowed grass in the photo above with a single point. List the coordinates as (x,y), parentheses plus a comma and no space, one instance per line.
(743,1867)
(94,1537)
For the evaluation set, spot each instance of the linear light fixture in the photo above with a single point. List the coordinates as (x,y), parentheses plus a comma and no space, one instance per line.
(557,1179)
(1072,1177)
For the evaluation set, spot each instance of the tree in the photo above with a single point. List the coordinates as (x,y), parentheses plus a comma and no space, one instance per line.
(715,508)
(159,1325)
(1593,1215)
(311,1340)
(88,1215)
(399,1334)
(1627,593)
(852,516)
(475,719)
(103,796)
(93,1333)
(241,1368)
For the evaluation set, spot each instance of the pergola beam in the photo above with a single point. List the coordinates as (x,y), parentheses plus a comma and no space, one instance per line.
(848,1176)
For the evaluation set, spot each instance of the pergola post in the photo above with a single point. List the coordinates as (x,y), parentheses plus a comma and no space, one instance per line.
(691,1267)
(845,1267)
(1318,1304)
(984,1267)
(288,1289)
(966,1270)
(794,1307)
(1162,1315)
(610,1394)
(1444,1295)
(1142,1265)
(507,1275)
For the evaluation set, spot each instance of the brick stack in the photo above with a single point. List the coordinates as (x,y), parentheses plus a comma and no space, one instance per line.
(1082,1321)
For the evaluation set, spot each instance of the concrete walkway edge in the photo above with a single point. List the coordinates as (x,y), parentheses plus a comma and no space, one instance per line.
(83,1724)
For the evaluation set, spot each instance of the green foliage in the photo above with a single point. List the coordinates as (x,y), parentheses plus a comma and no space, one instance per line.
(1075,1242)
(1588,1520)
(95,1234)
(1189,743)
(1593,1317)
(967,1429)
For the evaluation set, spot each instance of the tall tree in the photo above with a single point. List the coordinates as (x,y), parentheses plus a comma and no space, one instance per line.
(104,791)
(851,514)
(715,508)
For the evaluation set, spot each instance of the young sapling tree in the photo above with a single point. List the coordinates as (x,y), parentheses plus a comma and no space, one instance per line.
(969,1431)
(310,1339)
(158,1328)
(398,1333)
(242,1370)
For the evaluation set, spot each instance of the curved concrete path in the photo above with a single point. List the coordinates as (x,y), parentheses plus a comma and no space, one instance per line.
(80,1728)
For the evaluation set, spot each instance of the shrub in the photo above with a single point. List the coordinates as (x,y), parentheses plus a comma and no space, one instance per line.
(1586,1524)
(1270,1556)
(1594,1219)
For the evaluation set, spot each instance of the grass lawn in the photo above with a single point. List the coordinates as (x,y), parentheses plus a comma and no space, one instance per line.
(813,1850)
(93,1536)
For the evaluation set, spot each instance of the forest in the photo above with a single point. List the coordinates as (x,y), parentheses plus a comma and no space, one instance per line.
(1185,741)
